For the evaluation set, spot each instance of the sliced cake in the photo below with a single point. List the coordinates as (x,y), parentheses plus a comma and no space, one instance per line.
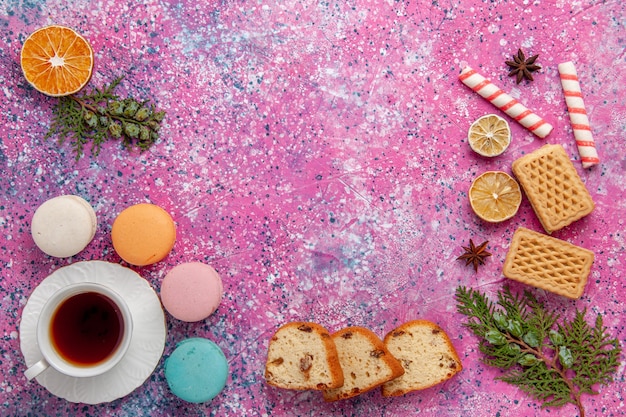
(365,361)
(303,356)
(426,354)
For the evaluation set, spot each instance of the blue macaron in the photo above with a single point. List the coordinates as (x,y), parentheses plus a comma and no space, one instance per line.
(197,370)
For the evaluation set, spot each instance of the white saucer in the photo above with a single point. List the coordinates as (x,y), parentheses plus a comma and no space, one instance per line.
(146,348)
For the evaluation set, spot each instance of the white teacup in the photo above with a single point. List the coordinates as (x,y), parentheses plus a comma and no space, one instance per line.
(83,330)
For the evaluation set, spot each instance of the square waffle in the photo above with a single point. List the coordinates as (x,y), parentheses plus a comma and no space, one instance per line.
(553,187)
(548,263)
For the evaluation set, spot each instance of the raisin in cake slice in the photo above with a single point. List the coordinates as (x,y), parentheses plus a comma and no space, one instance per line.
(426,354)
(303,356)
(365,361)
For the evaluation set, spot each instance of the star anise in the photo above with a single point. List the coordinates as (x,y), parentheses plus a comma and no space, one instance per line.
(475,254)
(522,67)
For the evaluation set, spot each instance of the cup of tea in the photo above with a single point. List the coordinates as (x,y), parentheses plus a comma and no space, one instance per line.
(84,330)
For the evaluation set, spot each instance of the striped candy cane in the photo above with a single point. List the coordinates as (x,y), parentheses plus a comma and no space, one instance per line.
(505,102)
(578,115)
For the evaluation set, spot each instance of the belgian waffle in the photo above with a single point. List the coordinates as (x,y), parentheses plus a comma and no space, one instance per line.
(549,263)
(553,187)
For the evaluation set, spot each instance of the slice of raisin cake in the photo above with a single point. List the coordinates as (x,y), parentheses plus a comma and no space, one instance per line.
(365,361)
(303,356)
(426,354)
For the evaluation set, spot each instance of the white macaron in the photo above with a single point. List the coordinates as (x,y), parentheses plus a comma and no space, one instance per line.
(63,226)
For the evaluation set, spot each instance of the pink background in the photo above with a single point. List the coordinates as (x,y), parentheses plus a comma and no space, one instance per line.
(315,154)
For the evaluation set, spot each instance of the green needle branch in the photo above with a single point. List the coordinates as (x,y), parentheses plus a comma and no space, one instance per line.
(101,115)
(553,362)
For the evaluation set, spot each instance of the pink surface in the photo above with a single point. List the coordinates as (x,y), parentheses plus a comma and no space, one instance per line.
(191,291)
(315,154)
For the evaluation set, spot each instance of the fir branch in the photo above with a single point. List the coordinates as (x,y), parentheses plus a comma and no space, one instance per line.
(553,362)
(101,115)
(596,362)
(541,382)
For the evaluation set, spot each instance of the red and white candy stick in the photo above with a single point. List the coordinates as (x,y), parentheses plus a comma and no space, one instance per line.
(505,102)
(578,115)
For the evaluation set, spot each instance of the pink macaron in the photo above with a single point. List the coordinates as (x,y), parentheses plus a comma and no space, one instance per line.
(191,291)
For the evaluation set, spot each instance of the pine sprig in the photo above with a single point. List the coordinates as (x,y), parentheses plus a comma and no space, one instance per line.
(541,382)
(553,362)
(598,357)
(100,115)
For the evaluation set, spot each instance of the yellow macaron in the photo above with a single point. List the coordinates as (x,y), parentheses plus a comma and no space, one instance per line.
(143,234)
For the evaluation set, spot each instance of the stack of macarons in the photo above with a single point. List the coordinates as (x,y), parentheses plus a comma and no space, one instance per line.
(143,234)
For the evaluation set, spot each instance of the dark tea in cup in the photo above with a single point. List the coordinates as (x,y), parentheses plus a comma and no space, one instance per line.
(83,330)
(87,328)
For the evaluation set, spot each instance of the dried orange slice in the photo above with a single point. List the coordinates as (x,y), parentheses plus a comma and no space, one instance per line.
(57,61)
(489,135)
(495,196)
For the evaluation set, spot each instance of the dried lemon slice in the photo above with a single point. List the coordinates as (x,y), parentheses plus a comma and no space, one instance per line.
(57,61)
(489,135)
(495,196)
